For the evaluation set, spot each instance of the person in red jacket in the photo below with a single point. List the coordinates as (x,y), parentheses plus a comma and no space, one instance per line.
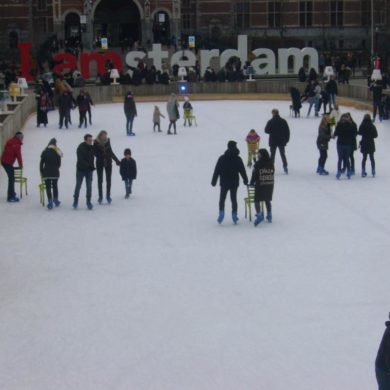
(12,152)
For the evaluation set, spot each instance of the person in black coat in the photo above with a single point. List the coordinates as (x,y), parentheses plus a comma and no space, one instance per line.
(331,88)
(130,112)
(82,102)
(84,169)
(324,136)
(65,104)
(302,74)
(279,135)
(377,88)
(104,156)
(367,144)
(128,171)
(263,179)
(50,172)
(228,168)
(382,361)
(296,101)
(346,139)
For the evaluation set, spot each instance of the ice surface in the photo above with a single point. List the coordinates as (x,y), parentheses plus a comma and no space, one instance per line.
(151,293)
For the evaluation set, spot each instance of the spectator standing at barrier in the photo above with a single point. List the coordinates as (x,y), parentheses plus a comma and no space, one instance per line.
(104,156)
(84,170)
(50,172)
(382,361)
(12,152)
(279,136)
(228,168)
(367,144)
(173,113)
(130,112)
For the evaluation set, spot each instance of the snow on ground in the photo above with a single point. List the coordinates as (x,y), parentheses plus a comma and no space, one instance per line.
(151,293)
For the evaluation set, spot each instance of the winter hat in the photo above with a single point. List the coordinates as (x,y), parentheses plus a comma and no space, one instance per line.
(53,141)
(232,144)
(127,151)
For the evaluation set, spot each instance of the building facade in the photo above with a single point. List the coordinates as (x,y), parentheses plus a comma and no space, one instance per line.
(327,25)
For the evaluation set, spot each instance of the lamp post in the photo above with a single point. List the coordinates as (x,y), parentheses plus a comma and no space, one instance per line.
(88,25)
(372,29)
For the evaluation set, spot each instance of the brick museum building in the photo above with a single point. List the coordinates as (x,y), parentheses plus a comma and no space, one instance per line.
(326,25)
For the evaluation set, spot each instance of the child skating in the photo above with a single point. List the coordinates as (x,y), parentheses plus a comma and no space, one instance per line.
(253,143)
(128,171)
(187,108)
(156,119)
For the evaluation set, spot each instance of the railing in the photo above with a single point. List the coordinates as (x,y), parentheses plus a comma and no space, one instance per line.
(17,113)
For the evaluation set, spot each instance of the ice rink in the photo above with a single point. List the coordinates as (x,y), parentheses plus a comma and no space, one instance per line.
(151,293)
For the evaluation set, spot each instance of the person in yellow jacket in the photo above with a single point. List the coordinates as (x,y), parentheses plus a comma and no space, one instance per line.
(253,142)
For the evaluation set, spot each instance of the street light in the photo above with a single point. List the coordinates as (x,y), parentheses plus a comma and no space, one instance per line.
(372,29)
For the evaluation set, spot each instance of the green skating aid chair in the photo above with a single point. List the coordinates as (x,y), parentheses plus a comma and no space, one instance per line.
(42,189)
(249,201)
(18,172)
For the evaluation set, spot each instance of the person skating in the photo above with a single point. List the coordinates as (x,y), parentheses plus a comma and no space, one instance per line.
(252,141)
(382,361)
(187,110)
(279,136)
(84,170)
(324,136)
(42,107)
(65,104)
(82,102)
(331,88)
(346,137)
(156,119)
(90,103)
(377,88)
(228,168)
(367,144)
(12,152)
(130,112)
(128,171)
(104,156)
(354,145)
(173,113)
(263,179)
(50,172)
(296,101)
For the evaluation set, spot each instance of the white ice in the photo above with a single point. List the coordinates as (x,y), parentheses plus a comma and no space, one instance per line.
(151,293)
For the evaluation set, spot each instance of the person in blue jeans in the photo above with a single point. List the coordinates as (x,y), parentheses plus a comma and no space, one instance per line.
(128,171)
(346,132)
(84,170)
